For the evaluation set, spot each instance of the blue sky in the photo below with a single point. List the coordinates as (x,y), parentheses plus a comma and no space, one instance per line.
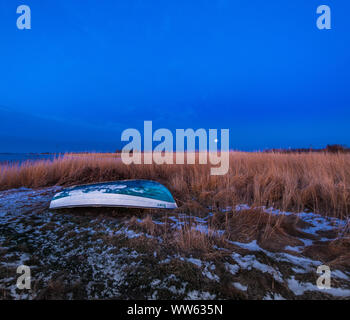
(89,69)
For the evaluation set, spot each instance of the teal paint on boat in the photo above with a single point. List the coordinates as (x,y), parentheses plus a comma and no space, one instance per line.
(123,193)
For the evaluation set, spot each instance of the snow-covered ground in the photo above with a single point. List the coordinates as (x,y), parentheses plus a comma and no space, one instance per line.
(96,256)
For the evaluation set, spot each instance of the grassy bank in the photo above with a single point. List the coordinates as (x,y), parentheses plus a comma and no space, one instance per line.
(319,182)
(111,253)
(203,250)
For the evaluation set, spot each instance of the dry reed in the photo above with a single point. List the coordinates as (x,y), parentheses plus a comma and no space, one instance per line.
(311,181)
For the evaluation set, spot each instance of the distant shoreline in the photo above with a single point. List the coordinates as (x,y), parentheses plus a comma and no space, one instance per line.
(330,148)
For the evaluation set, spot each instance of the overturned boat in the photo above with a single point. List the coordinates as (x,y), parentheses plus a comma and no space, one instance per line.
(123,193)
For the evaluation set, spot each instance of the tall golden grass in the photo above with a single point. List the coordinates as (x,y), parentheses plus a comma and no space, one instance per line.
(311,181)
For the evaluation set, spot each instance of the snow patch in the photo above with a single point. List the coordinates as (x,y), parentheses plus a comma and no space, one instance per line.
(239,286)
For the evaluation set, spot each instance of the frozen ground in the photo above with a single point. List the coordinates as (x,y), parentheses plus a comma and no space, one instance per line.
(73,255)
